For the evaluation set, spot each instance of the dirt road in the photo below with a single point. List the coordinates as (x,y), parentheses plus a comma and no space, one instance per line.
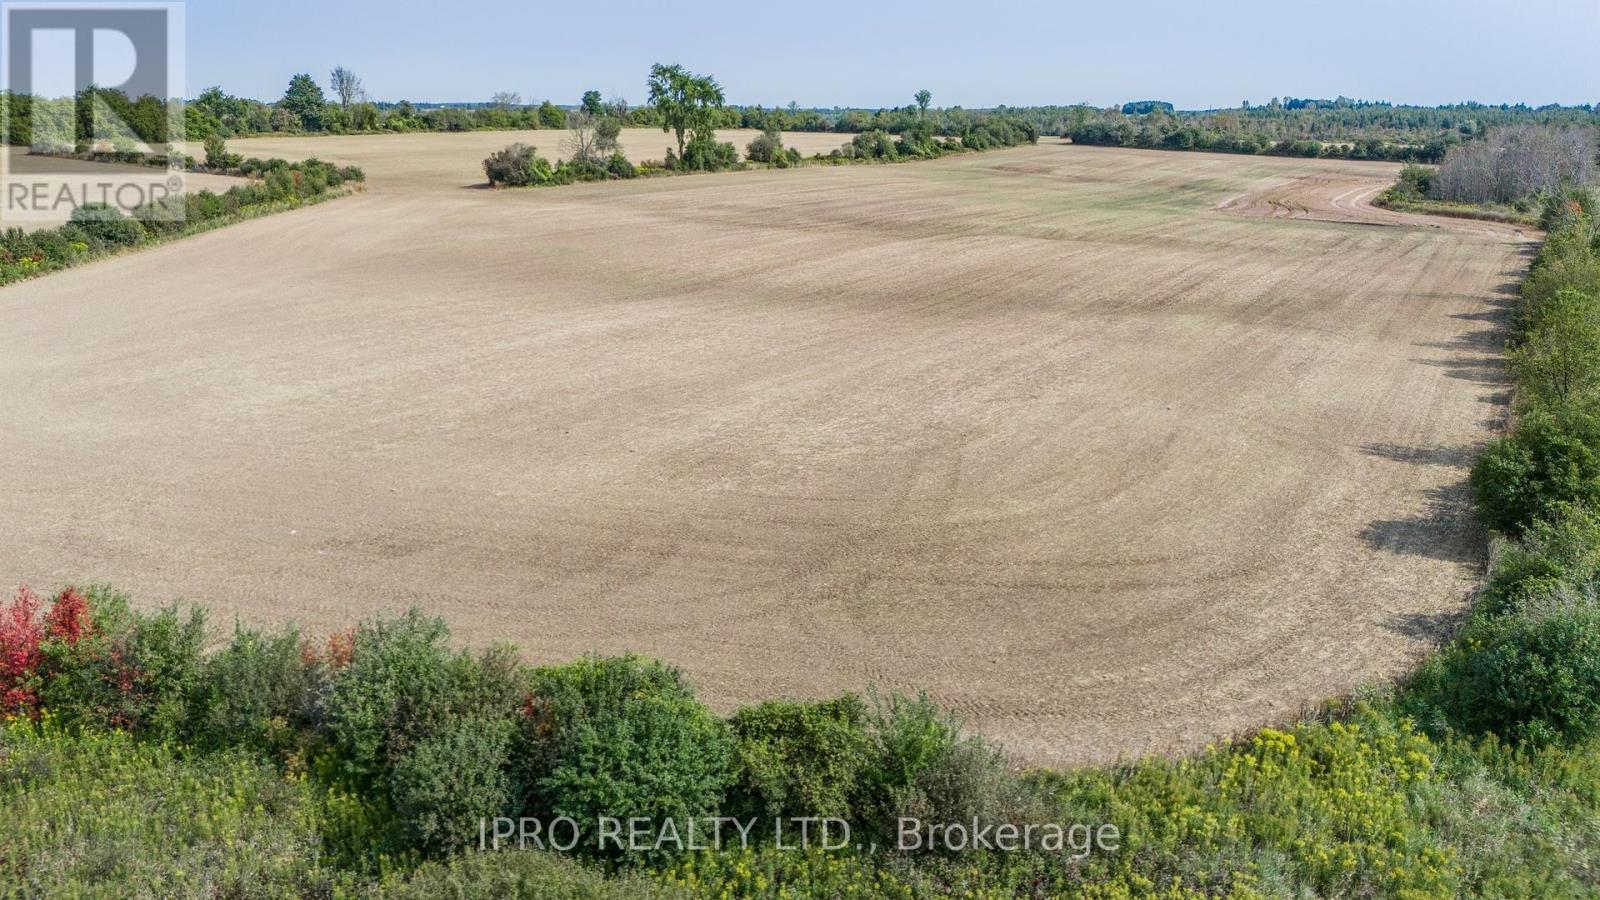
(1042,431)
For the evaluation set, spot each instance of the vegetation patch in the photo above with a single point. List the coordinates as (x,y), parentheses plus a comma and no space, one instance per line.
(98,230)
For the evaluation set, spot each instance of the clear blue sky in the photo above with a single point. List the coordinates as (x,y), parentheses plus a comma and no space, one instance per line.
(1196,53)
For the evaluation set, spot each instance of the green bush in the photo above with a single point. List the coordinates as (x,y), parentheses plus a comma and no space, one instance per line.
(104,815)
(107,225)
(164,665)
(1534,677)
(1558,560)
(619,166)
(1557,363)
(1530,475)
(453,780)
(621,737)
(525,875)
(518,165)
(257,692)
(217,155)
(703,153)
(765,148)
(402,686)
(799,759)
(923,766)
(128,670)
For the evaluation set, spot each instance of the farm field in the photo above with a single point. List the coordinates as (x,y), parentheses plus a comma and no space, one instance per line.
(1112,451)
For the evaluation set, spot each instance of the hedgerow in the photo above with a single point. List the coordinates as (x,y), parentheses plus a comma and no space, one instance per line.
(96,230)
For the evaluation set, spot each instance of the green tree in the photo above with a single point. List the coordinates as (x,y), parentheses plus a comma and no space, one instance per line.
(923,98)
(685,101)
(1559,360)
(552,116)
(593,104)
(304,101)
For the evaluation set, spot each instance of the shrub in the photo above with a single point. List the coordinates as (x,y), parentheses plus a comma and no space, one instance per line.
(620,167)
(518,165)
(104,815)
(704,154)
(1556,560)
(924,767)
(1558,361)
(621,737)
(1533,677)
(162,658)
(21,637)
(1547,463)
(800,759)
(256,692)
(526,875)
(451,781)
(107,225)
(767,147)
(403,686)
(123,670)
(873,144)
(217,155)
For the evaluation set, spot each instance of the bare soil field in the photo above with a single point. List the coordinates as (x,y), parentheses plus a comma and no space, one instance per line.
(1080,440)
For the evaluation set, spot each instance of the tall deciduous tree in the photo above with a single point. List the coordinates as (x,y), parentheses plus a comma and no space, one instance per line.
(687,102)
(593,104)
(923,98)
(347,87)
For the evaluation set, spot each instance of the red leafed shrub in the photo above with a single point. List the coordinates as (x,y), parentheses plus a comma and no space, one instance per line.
(68,619)
(20,637)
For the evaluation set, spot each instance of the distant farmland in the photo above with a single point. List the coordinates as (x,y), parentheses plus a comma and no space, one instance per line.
(1109,450)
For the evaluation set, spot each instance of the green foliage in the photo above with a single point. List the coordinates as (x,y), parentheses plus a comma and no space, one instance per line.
(217,155)
(1534,676)
(256,692)
(107,225)
(103,815)
(518,165)
(1530,475)
(621,737)
(304,103)
(525,875)
(685,103)
(800,759)
(924,766)
(1557,365)
(552,116)
(765,148)
(1556,561)
(619,166)
(403,686)
(593,103)
(705,154)
(452,780)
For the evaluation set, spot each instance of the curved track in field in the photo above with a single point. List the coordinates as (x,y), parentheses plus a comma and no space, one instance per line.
(1040,430)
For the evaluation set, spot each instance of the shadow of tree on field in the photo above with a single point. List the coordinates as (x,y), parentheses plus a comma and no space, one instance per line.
(1436,627)
(1443,530)
(1486,371)
(1455,457)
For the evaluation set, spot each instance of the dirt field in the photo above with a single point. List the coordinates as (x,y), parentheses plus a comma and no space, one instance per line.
(1089,443)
